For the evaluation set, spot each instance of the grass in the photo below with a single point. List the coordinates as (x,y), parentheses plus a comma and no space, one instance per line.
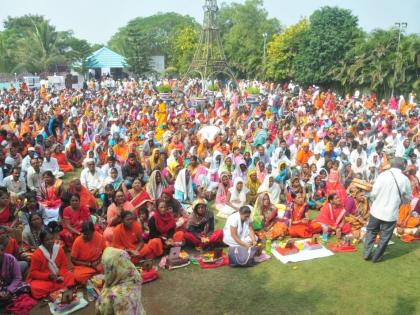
(340,284)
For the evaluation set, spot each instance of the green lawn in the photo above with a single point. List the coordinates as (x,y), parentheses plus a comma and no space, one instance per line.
(340,284)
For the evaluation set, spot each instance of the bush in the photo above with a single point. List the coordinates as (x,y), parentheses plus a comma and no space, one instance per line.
(253,90)
(213,87)
(164,88)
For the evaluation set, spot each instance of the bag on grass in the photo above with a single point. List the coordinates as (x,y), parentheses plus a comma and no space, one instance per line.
(240,256)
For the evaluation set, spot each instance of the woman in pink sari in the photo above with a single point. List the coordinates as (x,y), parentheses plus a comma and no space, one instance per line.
(334,185)
(49,195)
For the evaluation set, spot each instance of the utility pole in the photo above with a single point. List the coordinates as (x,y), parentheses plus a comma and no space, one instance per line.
(402,26)
(264,35)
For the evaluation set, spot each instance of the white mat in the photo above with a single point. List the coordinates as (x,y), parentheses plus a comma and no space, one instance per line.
(83,303)
(305,254)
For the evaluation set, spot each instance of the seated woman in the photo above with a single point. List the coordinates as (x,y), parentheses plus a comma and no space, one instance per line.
(331,218)
(318,195)
(238,230)
(300,225)
(121,293)
(32,206)
(49,270)
(31,233)
(236,197)
(409,217)
(11,247)
(107,199)
(170,172)
(184,191)
(200,227)
(128,236)
(86,253)
(265,220)
(174,207)
(113,215)
(49,195)
(155,185)
(73,218)
(222,195)
(74,155)
(63,163)
(7,213)
(252,184)
(272,188)
(11,283)
(162,225)
(86,197)
(360,218)
(114,180)
(137,194)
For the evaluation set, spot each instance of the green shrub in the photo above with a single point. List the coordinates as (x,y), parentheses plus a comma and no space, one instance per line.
(164,88)
(253,90)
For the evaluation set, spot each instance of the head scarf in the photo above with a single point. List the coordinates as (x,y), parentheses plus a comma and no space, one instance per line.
(273,191)
(164,222)
(184,187)
(237,195)
(257,211)
(196,220)
(152,162)
(252,186)
(122,284)
(152,188)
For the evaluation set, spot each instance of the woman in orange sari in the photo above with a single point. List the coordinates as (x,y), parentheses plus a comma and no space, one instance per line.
(300,225)
(265,219)
(128,236)
(86,253)
(49,270)
(86,198)
(121,150)
(409,215)
(61,158)
(113,215)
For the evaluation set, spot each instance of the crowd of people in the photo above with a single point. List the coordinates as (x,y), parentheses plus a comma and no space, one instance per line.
(153,170)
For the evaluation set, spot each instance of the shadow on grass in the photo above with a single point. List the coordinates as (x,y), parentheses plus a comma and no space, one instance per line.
(405,305)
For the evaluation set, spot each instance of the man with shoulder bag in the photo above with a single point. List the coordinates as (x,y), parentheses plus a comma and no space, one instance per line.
(391,189)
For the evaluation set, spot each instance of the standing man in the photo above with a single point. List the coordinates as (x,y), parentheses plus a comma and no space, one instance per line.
(391,189)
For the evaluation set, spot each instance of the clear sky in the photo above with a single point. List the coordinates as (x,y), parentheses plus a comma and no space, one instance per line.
(98,20)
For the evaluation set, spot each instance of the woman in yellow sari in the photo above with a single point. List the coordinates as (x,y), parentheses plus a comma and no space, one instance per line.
(252,184)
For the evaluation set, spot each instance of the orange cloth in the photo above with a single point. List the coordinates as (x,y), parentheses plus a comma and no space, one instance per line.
(62,161)
(405,217)
(129,239)
(90,251)
(41,286)
(278,229)
(302,157)
(121,151)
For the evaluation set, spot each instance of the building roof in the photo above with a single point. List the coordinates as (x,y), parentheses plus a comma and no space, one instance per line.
(105,58)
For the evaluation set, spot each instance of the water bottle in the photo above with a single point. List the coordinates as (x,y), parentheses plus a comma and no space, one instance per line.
(325,233)
(90,292)
(268,247)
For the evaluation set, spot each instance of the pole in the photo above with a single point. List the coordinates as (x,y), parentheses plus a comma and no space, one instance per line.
(265,51)
(401,27)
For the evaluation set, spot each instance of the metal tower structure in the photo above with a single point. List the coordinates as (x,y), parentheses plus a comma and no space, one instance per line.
(209,58)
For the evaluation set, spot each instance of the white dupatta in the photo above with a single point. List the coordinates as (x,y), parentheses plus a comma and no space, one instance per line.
(51,259)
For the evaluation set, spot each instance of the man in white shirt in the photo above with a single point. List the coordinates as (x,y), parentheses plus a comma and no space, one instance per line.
(14,184)
(26,162)
(391,189)
(51,164)
(34,175)
(91,177)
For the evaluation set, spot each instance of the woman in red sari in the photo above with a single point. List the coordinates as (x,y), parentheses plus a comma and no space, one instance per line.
(49,268)
(136,194)
(300,225)
(86,197)
(7,219)
(128,236)
(332,217)
(73,218)
(162,225)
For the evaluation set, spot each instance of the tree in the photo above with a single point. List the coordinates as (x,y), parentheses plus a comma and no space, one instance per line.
(79,51)
(242,27)
(155,36)
(332,32)
(282,50)
(184,45)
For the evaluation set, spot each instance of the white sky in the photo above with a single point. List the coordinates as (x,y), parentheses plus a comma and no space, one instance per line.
(98,20)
